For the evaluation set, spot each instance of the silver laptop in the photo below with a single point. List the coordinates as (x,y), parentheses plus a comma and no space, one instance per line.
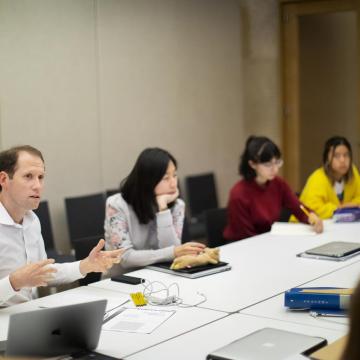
(269,344)
(72,330)
(335,250)
(193,272)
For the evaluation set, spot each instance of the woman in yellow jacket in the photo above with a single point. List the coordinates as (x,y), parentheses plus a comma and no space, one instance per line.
(336,184)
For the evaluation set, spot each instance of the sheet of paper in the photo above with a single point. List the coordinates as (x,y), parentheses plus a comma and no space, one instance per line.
(283,228)
(138,320)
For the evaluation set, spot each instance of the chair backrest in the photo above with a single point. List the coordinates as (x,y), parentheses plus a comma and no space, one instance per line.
(85,216)
(110,192)
(201,193)
(43,214)
(185,236)
(215,222)
(82,249)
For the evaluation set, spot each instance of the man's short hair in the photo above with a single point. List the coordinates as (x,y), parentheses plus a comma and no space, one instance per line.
(9,158)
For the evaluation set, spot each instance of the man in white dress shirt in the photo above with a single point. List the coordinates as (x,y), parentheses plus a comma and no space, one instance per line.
(23,261)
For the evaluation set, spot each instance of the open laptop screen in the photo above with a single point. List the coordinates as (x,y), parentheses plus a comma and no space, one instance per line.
(56,331)
(269,344)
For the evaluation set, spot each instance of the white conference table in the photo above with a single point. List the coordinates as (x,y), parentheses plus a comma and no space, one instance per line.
(200,342)
(114,343)
(262,267)
(185,320)
(274,308)
(73,296)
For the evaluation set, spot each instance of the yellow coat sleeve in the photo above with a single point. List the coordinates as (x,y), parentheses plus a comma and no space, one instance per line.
(319,194)
(352,189)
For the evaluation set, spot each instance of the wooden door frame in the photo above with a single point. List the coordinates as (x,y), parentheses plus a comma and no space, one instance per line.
(290,11)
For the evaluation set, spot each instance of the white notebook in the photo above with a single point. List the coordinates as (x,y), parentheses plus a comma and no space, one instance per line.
(285,228)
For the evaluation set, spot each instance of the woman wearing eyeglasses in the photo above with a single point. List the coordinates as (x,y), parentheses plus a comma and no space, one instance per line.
(256,201)
(336,184)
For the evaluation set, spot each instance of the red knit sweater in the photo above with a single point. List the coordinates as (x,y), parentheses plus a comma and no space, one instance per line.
(252,209)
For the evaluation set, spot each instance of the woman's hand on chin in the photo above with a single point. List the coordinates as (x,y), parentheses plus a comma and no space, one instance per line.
(164,199)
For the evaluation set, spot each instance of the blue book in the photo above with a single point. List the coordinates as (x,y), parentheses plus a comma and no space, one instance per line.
(318,298)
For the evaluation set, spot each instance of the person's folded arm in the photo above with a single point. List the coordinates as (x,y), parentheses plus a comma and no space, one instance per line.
(117,229)
(324,209)
(316,197)
(169,225)
(354,188)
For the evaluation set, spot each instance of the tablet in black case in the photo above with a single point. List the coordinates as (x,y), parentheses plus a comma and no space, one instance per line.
(193,272)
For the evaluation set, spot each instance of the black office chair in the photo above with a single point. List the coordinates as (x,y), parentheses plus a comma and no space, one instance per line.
(185,236)
(85,216)
(215,221)
(43,214)
(201,196)
(82,248)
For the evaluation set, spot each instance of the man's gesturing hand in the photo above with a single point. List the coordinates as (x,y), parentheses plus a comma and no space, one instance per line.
(33,274)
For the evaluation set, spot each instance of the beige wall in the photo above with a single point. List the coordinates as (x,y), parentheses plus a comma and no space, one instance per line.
(91,83)
(260,68)
(48,94)
(328,86)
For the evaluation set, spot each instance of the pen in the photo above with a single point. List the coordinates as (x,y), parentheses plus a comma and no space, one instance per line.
(109,317)
(305,211)
(110,310)
(328,313)
(116,313)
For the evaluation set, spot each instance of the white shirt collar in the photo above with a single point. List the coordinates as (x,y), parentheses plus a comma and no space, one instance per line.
(6,219)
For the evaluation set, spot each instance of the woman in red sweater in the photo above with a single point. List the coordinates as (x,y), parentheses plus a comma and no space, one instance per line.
(256,201)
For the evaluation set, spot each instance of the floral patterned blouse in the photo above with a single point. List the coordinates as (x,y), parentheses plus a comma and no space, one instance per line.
(145,244)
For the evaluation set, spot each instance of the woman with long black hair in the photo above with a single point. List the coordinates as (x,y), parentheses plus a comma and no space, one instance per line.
(336,184)
(146,218)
